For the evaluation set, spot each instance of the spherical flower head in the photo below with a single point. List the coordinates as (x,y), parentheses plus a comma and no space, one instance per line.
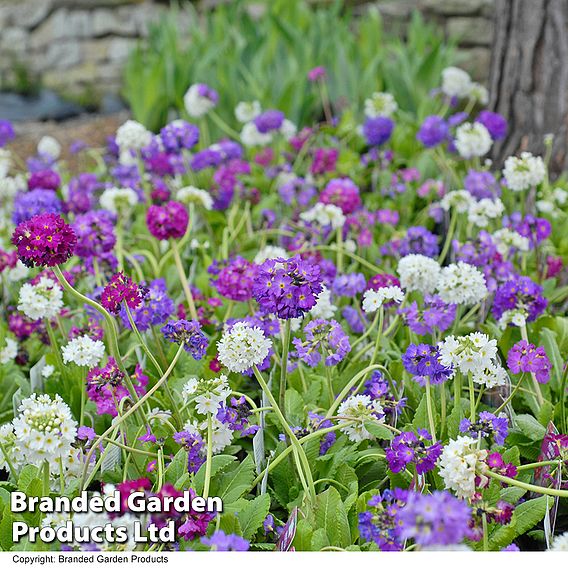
(468,353)
(381,281)
(322,336)
(269,120)
(456,82)
(132,136)
(435,315)
(433,131)
(361,408)
(251,136)
(527,358)
(121,288)
(44,429)
(44,179)
(495,123)
(190,194)
(472,140)
(118,200)
(380,104)
(317,73)
(83,351)
(349,285)
(377,130)
(374,299)
(324,215)
(35,202)
(524,172)
(461,283)
(235,281)
(343,193)
(519,294)
(242,347)
(44,240)
(418,272)
(459,465)
(424,363)
(95,234)
(560,543)
(155,309)
(247,111)
(168,221)
(7,133)
(419,240)
(434,519)
(288,288)
(481,184)
(188,334)
(407,448)
(200,99)
(179,135)
(41,300)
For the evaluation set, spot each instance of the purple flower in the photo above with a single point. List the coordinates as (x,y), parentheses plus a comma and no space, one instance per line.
(208,158)
(287,288)
(81,198)
(349,284)
(148,437)
(419,240)
(35,202)
(487,425)
(194,445)
(434,130)
(377,130)
(433,519)
(322,336)
(407,448)
(481,184)
(525,357)
(422,361)
(167,221)
(343,193)
(297,190)
(379,388)
(536,229)
(155,309)
(44,179)
(188,334)
(494,122)
(269,120)
(435,315)
(324,160)
(6,132)
(95,233)
(519,294)
(317,73)
(355,319)
(235,280)
(179,135)
(236,416)
(226,542)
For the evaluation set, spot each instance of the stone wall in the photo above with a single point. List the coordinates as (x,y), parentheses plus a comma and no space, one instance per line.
(79,47)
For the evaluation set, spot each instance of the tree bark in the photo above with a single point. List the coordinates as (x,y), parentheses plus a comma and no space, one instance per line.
(529,77)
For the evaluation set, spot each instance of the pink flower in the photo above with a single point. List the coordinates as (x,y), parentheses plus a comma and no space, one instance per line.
(167,221)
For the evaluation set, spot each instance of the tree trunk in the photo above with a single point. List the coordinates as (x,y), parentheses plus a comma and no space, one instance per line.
(529,77)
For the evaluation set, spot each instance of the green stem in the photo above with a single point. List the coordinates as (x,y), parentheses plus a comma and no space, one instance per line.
(449,236)
(429,409)
(538,464)
(379,332)
(538,394)
(284,365)
(471,396)
(527,486)
(485,532)
(209,457)
(183,280)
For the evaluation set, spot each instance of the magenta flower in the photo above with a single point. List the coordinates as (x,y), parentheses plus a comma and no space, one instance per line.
(167,221)
(44,240)
(121,288)
(316,73)
(343,193)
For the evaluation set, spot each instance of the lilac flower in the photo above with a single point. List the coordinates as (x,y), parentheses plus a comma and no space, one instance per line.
(179,135)
(419,240)
(188,334)
(148,437)
(269,120)
(155,309)
(519,294)
(235,280)
(193,444)
(422,361)
(481,184)
(319,422)
(434,130)
(407,448)
(297,190)
(317,73)
(208,158)
(378,388)
(343,193)
(525,357)
(349,284)
(377,130)
(225,542)
(7,133)
(355,319)
(435,519)
(494,122)
(81,193)
(536,229)
(236,416)
(35,202)
(487,425)
(287,288)
(95,233)
(322,336)
(436,315)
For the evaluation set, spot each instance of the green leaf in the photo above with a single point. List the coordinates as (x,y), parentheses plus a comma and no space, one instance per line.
(378,430)
(233,484)
(331,516)
(253,514)
(218,464)
(530,427)
(6,540)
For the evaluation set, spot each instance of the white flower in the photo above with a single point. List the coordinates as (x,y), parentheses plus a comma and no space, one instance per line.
(190,194)
(472,140)
(9,186)
(250,136)
(269,252)
(480,212)
(245,112)
(189,389)
(83,351)
(323,307)
(44,429)
(473,352)
(362,408)
(506,239)
(459,199)
(211,394)
(493,375)
(196,104)
(222,433)
(374,299)
(324,214)
(456,82)
(560,195)
(19,272)
(47,371)
(42,300)
(380,104)
(88,521)
(479,93)
(242,347)
(9,351)
(132,136)
(118,199)
(516,317)
(545,206)
(288,129)
(461,283)
(524,172)
(48,145)
(560,543)
(459,464)
(418,272)
(6,162)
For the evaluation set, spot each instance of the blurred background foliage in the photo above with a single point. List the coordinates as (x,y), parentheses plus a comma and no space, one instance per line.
(267,57)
